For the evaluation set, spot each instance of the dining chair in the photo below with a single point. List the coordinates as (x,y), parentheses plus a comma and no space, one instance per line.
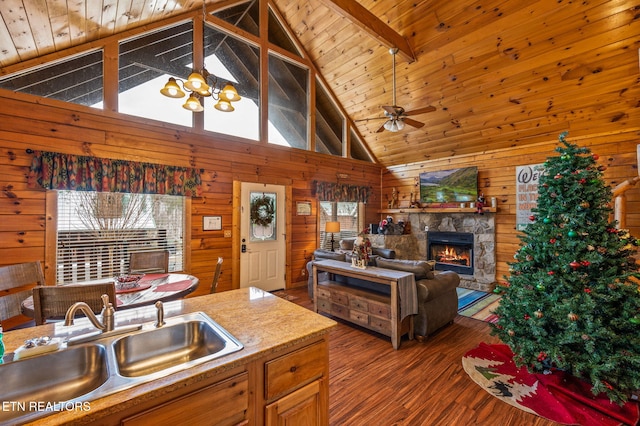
(53,302)
(156,261)
(16,282)
(216,275)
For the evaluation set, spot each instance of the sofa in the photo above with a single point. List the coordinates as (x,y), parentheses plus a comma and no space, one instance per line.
(437,295)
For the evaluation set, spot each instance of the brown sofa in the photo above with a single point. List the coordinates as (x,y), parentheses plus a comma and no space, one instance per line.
(437,295)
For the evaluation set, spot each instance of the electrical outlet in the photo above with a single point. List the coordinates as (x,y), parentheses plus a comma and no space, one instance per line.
(227,234)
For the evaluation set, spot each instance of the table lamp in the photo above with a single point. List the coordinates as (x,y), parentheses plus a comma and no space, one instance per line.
(332,227)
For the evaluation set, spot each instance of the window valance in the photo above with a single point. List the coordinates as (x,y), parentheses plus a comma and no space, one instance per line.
(53,170)
(341,192)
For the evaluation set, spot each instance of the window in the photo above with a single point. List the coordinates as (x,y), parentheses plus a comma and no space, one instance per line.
(288,103)
(145,65)
(96,232)
(344,212)
(329,123)
(77,79)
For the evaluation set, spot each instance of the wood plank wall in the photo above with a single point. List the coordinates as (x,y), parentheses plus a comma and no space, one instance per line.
(27,122)
(497,178)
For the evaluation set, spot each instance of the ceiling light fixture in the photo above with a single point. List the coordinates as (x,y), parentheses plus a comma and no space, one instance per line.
(198,86)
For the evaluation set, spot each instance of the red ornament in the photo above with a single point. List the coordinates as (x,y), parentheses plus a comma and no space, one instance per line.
(542,356)
(527,317)
(585,263)
(595,157)
(550,273)
(552,241)
(582,181)
(587,290)
(575,265)
(532,218)
(558,176)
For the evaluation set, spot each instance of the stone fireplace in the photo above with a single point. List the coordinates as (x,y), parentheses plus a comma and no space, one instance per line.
(480,228)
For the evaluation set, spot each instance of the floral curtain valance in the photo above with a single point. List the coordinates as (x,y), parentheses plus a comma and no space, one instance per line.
(327,191)
(53,170)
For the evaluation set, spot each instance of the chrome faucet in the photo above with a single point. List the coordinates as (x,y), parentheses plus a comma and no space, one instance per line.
(160,320)
(107,314)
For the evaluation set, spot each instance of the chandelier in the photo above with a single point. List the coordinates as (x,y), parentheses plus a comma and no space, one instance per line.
(198,87)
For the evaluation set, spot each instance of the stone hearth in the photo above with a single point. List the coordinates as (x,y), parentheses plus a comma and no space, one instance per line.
(413,246)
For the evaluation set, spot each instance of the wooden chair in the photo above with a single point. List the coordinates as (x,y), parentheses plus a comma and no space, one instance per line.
(216,275)
(52,302)
(156,261)
(16,282)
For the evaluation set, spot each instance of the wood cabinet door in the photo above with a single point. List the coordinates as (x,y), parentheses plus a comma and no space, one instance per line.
(304,407)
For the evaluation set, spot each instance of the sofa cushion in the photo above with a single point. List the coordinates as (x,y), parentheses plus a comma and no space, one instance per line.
(421,269)
(347,243)
(328,254)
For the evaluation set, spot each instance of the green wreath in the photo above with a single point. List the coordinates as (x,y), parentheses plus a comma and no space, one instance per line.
(262,210)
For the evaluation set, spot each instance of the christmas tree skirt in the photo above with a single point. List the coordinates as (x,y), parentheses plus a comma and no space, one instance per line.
(558,397)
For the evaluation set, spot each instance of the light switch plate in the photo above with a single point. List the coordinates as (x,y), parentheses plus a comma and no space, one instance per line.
(227,234)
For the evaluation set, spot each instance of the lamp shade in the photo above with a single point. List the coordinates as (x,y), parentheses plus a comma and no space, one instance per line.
(196,83)
(193,104)
(231,93)
(171,89)
(332,227)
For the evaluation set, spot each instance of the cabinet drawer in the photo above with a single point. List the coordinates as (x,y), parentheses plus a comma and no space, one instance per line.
(340,297)
(359,303)
(325,293)
(380,310)
(340,311)
(324,305)
(284,374)
(380,325)
(359,317)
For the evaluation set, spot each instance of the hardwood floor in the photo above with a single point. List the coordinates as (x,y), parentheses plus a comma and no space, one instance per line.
(420,384)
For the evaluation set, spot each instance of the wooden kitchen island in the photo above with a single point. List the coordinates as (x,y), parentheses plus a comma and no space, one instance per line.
(282,371)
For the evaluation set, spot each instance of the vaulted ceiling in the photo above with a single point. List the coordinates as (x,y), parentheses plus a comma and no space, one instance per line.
(500,73)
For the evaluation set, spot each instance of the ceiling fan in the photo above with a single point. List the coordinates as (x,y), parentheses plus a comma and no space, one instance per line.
(396,117)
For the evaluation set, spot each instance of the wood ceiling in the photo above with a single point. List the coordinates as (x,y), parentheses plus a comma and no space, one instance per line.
(500,73)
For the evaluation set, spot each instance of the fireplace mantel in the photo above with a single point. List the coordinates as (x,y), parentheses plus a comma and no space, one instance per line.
(428,210)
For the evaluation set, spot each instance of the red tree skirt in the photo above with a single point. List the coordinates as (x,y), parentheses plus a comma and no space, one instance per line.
(559,397)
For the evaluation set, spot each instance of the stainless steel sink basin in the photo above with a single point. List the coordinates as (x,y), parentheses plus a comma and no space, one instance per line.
(169,346)
(52,378)
(109,364)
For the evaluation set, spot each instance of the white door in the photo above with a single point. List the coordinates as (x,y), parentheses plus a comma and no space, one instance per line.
(262,236)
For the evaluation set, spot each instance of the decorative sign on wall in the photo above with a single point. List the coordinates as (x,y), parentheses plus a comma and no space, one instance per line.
(527,178)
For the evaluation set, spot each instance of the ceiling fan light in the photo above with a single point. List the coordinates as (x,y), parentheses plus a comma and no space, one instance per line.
(400,124)
(388,125)
(230,93)
(196,83)
(172,89)
(193,104)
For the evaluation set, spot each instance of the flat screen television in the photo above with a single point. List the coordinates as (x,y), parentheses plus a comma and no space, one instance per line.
(449,186)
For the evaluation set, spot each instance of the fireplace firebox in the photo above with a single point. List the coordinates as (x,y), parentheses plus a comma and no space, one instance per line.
(452,251)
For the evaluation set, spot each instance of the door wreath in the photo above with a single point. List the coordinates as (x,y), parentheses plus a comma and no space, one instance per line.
(262,210)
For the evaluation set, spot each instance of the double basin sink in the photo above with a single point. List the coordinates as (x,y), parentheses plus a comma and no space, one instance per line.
(77,374)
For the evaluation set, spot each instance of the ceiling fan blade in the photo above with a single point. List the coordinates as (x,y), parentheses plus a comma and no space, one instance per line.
(392,110)
(412,122)
(381,129)
(420,110)
(370,119)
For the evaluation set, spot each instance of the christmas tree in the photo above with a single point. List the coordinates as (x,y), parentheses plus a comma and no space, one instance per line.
(570,302)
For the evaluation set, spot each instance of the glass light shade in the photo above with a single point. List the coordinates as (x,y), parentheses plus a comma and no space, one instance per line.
(171,89)
(387,125)
(224,105)
(400,124)
(196,83)
(332,227)
(230,93)
(193,104)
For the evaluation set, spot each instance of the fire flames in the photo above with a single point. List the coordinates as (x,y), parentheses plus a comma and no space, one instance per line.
(451,255)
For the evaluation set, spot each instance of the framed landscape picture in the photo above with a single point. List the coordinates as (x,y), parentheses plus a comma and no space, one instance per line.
(449,186)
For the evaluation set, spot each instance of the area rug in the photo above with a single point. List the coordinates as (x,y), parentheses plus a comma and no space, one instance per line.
(558,397)
(477,304)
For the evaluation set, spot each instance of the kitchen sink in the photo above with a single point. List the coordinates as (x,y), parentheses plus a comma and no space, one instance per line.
(178,345)
(46,383)
(52,377)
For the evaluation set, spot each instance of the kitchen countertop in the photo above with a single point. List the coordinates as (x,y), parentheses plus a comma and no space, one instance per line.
(252,316)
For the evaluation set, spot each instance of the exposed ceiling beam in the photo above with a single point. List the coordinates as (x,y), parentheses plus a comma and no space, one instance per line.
(367,21)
